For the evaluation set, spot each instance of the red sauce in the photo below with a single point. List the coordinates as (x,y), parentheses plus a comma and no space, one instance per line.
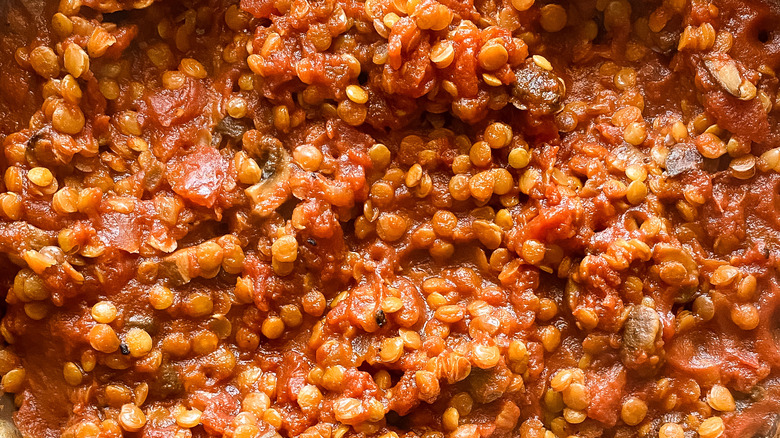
(390,218)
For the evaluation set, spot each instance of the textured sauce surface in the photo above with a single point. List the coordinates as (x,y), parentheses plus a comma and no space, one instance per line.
(406,218)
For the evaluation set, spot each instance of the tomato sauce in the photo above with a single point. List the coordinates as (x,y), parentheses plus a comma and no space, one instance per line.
(406,218)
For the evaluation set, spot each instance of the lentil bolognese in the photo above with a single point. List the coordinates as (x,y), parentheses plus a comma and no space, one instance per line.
(391,218)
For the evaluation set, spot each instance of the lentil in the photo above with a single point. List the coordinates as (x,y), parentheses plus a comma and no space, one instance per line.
(522,5)
(492,55)
(188,418)
(104,312)
(285,249)
(357,94)
(13,380)
(720,398)
(103,338)
(519,158)
(131,418)
(44,61)
(553,17)
(72,374)
(138,342)
(273,327)
(671,430)
(442,54)
(68,119)
(633,411)
(712,427)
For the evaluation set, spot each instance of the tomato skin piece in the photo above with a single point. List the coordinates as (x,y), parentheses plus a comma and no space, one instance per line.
(219,412)
(172,107)
(198,175)
(605,403)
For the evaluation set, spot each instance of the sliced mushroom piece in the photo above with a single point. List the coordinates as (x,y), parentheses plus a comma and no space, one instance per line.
(682,159)
(726,73)
(639,332)
(489,385)
(230,130)
(167,383)
(202,260)
(7,429)
(176,267)
(537,90)
(273,189)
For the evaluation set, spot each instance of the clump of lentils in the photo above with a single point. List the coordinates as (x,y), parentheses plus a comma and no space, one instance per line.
(390,218)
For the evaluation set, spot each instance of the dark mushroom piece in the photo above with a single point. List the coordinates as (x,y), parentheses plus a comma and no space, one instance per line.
(230,130)
(639,334)
(489,385)
(167,383)
(274,161)
(727,74)
(145,322)
(202,260)
(772,429)
(681,159)
(537,90)
(269,153)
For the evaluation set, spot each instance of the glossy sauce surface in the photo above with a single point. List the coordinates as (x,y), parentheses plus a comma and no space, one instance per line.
(397,219)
